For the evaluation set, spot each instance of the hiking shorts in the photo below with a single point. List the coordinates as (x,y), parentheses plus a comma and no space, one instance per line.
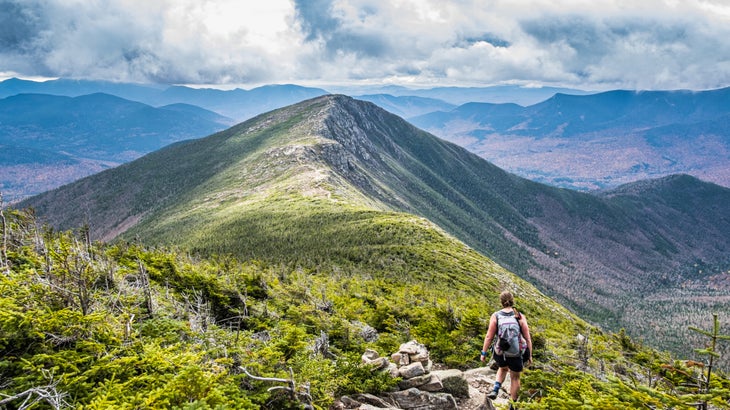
(515,364)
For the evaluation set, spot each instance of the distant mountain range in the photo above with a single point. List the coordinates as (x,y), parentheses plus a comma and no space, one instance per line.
(598,141)
(570,139)
(407,106)
(284,184)
(496,94)
(238,104)
(50,140)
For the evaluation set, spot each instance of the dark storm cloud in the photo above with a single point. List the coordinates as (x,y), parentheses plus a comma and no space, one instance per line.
(648,51)
(592,39)
(18,26)
(23,27)
(320,23)
(316,18)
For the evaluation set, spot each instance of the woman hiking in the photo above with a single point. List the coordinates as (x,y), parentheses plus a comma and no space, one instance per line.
(512,347)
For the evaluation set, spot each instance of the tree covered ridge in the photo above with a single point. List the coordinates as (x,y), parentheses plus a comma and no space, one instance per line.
(89,325)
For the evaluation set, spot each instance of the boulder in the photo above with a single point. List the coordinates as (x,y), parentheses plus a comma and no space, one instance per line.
(416,381)
(369,355)
(445,374)
(380,363)
(421,356)
(421,400)
(411,370)
(373,359)
(434,384)
(400,359)
(371,400)
(411,347)
(393,370)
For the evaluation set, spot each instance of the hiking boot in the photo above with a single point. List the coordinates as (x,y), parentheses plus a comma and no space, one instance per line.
(493,394)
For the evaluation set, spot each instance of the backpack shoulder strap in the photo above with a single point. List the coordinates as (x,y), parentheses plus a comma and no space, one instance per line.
(518,316)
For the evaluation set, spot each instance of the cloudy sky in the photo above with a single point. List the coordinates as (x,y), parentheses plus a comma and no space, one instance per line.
(589,44)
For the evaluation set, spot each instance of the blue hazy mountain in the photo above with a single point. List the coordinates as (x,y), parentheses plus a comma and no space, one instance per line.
(461,95)
(99,125)
(238,104)
(598,140)
(242,104)
(49,140)
(75,88)
(407,106)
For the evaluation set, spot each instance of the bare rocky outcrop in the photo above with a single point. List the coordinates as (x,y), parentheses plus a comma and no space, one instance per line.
(422,387)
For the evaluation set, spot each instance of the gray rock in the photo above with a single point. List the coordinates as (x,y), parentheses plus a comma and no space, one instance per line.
(422,356)
(369,355)
(380,363)
(443,374)
(411,370)
(400,359)
(393,370)
(412,347)
(416,381)
(428,366)
(371,407)
(371,400)
(434,384)
(421,400)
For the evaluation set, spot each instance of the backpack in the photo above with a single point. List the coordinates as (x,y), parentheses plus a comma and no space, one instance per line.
(509,342)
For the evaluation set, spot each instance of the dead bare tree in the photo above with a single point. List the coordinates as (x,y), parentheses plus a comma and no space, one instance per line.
(29,398)
(300,395)
(199,311)
(711,352)
(4,256)
(145,279)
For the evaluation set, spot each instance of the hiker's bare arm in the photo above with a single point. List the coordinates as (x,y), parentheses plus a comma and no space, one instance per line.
(491,330)
(526,334)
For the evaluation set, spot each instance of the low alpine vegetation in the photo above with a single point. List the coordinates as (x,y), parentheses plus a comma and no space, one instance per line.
(90,326)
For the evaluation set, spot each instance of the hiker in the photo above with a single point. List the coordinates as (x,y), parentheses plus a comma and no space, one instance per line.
(512,348)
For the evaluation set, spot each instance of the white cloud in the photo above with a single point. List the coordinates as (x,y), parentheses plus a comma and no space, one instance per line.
(652,44)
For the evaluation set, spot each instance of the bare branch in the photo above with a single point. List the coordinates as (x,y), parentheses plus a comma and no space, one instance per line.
(49,393)
(265,379)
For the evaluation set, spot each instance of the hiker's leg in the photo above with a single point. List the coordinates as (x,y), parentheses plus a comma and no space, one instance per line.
(514,387)
(502,374)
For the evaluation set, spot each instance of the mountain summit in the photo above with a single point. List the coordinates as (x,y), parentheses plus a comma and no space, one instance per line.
(296,183)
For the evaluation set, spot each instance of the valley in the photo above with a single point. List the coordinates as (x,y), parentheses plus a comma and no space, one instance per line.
(598,141)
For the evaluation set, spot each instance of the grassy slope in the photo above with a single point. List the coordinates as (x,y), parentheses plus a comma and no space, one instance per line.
(407,280)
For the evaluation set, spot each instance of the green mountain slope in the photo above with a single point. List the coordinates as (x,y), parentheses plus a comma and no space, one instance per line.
(312,181)
(89,325)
